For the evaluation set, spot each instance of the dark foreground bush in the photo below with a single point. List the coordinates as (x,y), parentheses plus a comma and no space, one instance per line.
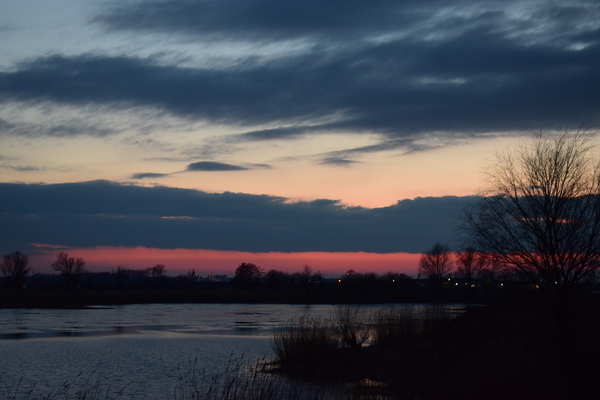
(400,324)
(504,351)
(303,343)
(351,326)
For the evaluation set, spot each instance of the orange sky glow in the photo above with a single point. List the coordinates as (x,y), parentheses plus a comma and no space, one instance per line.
(178,261)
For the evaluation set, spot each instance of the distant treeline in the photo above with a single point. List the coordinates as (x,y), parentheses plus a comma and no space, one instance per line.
(77,286)
(125,286)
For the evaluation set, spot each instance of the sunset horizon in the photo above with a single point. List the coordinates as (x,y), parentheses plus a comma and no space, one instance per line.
(264,131)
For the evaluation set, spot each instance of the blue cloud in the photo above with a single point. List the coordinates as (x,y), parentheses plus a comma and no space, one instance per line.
(213,166)
(103,213)
(144,175)
(402,70)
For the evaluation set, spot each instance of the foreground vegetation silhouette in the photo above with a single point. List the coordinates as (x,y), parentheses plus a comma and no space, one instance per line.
(539,216)
(532,253)
(508,350)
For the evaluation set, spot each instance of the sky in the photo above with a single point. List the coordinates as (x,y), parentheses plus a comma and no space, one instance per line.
(203,134)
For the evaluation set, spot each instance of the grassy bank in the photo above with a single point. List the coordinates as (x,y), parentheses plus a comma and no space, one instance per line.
(502,351)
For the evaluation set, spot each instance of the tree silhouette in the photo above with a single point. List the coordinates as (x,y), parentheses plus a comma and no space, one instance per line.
(436,263)
(119,275)
(470,264)
(247,275)
(70,268)
(276,279)
(157,274)
(16,267)
(540,215)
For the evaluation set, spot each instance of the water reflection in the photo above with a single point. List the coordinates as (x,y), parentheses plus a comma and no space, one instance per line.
(14,336)
(143,348)
(246,327)
(153,319)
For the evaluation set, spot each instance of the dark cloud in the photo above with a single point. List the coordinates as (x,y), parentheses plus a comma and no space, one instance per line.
(398,69)
(259,166)
(25,168)
(276,133)
(5,126)
(102,213)
(66,129)
(213,166)
(144,175)
(339,161)
(258,19)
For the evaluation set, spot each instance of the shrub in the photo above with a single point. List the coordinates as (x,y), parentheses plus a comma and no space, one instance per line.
(401,323)
(351,326)
(304,341)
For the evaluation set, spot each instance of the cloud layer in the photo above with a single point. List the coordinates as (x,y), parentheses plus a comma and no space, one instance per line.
(102,213)
(403,70)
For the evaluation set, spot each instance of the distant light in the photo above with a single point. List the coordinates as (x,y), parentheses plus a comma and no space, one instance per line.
(339,281)
(456,284)
(393,280)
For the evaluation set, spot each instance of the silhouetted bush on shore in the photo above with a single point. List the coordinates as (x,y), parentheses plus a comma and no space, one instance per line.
(303,343)
(508,350)
(399,324)
(309,345)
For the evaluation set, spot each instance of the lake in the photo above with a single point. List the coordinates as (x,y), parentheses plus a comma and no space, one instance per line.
(142,349)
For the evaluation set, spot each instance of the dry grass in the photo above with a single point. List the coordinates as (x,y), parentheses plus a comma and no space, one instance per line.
(351,326)
(304,341)
(242,381)
(400,324)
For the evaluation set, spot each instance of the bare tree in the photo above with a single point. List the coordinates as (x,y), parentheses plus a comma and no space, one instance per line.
(70,268)
(16,267)
(436,262)
(156,274)
(119,275)
(470,263)
(541,215)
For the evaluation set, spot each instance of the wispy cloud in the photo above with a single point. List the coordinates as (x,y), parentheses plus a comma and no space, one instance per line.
(144,175)
(213,166)
(202,166)
(403,70)
(338,161)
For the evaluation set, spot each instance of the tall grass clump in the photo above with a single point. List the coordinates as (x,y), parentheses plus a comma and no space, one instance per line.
(83,387)
(304,342)
(351,326)
(400,324)
(240,381)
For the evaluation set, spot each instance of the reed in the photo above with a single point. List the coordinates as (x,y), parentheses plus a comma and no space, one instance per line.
(304,341)
(400,324)
(241,381)
(351,326)
(80,388)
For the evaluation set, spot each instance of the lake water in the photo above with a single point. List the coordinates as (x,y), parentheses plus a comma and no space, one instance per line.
(143,349)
